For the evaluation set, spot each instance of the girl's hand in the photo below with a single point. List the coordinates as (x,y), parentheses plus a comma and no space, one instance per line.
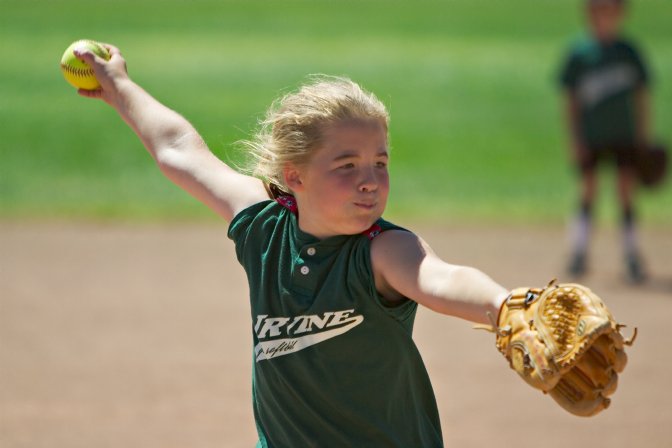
(109,73)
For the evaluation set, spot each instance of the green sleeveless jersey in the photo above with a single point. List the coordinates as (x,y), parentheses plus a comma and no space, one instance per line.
(605,77)
(334,364)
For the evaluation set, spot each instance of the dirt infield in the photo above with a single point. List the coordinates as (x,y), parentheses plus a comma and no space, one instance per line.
(127,336)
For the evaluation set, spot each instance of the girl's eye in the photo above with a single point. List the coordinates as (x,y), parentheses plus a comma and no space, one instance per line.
(381,164)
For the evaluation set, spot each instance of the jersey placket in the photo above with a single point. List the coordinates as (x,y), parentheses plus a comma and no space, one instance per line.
(305,268)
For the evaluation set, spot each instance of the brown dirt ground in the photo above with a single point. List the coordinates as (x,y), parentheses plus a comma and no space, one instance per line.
(139,336)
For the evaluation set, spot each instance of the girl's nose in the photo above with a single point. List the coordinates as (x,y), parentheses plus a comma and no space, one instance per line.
(369,182)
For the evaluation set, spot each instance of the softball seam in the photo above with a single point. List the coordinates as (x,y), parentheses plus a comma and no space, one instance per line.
(80,72)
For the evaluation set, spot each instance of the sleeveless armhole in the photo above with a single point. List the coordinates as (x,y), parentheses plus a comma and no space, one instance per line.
(239,228)
(404,308)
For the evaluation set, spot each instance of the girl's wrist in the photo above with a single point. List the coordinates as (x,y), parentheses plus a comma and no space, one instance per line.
(500,298)
(122,92)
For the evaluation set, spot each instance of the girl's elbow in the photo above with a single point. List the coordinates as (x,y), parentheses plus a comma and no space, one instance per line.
(173,163)
(168,159)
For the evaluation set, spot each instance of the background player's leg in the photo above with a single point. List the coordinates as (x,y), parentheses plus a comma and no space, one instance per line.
(581,229)
(627,183)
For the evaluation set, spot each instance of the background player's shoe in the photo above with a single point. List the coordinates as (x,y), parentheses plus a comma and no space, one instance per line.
(635,268)
(577,265)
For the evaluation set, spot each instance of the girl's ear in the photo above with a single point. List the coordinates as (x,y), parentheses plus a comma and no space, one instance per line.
(292,177)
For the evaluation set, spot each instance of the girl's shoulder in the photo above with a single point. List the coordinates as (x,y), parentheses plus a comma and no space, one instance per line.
(395,255)
(395,245)
(244,217)
(392,237)
(381,226)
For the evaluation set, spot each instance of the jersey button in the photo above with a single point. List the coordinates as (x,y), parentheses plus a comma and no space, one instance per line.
(311,251)
(305,270)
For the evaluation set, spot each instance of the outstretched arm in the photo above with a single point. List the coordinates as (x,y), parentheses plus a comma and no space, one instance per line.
(405,266)
(171,140)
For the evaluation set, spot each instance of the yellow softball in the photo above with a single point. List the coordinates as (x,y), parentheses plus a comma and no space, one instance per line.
(77,72)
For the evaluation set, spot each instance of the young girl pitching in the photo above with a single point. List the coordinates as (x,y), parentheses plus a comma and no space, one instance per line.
(334,288)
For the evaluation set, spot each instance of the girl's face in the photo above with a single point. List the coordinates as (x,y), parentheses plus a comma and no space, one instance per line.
(604,18)
(343,189)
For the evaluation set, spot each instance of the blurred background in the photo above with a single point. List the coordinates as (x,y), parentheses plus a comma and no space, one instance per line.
(123,319)
(477,126)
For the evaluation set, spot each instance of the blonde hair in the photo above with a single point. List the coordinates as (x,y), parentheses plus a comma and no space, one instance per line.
(294,125)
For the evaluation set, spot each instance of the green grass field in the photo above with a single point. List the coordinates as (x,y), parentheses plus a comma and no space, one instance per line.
(476,129)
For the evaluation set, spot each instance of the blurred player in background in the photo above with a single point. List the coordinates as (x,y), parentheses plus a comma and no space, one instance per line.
(605,83)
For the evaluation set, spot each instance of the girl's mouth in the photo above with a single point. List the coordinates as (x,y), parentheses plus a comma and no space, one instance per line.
(365,205)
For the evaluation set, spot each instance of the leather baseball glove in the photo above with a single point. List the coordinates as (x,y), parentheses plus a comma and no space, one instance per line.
(562,340)
(651,165)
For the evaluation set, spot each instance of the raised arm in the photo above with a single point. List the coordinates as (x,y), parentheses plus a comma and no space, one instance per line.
(172,141)
(405,266)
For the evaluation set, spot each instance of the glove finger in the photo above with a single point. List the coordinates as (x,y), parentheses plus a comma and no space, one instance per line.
(596,369)
(610,388)
(621,360)
(609,350)
(576,394)
(603,379)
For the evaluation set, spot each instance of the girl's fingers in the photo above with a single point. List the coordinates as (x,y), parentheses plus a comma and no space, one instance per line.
(85,55)
(112,49)
(98,93)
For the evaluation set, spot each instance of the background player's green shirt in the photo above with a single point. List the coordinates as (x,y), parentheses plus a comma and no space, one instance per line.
(605,78)
(334,365)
